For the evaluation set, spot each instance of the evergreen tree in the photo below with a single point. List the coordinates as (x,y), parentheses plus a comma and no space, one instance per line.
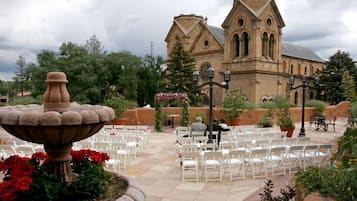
(331,76)
(348,86)
(94,46)
(20,73)
(180,67)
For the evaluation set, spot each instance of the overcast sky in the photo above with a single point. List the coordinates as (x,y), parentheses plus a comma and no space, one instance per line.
(29,26)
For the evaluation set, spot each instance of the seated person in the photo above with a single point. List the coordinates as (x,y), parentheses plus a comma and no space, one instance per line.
(198,125)
(215,127)
(222,125)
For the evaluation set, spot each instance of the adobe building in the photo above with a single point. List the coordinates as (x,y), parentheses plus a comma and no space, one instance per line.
(250,45)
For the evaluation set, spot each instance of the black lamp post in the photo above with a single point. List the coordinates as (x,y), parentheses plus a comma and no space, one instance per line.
(304,86)
(210,75)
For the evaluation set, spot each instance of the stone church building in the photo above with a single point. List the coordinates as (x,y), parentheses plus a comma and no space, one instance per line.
(250,45)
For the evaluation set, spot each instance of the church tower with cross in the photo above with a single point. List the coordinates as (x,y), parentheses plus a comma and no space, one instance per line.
(249,44)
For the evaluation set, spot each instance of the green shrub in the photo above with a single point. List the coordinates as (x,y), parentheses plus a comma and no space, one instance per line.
(318,105)
(234,103)
(353,108)
(283,112)
(26,100)
(120,104)
(339,184)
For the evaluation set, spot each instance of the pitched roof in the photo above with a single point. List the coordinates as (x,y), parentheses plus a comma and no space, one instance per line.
(297,51)
(287,49)
(217,32)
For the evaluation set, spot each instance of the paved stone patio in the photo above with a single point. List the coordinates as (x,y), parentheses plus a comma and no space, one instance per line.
(159,174)
(157,171)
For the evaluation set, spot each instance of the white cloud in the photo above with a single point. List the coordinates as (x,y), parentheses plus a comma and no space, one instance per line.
(28,26)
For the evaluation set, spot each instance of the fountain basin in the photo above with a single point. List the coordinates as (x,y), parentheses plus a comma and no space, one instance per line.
(31,123)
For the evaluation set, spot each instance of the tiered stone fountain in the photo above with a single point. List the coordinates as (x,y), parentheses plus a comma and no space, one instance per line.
(56,124)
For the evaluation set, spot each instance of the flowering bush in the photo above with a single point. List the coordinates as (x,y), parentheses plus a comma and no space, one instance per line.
(173,99)
(27,179)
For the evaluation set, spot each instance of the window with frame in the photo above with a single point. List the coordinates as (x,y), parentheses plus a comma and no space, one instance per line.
(245,38)
(236,45)
(271,46)
(265,44)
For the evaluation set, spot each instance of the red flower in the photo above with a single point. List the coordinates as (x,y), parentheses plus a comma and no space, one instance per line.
(7,191)
(39,155)
(23,183)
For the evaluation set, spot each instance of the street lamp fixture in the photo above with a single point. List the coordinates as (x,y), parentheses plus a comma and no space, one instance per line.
(210,75)
(304,86)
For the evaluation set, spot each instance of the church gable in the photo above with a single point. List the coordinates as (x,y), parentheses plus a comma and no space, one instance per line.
(185,28)
(207,41)
(255,5)
(255,8)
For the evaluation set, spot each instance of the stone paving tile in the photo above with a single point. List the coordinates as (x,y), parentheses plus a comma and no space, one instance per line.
(183,195)
(153,190)
(211,196)
(194,186)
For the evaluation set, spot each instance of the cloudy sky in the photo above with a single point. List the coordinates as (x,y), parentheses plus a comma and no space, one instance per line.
(29,26)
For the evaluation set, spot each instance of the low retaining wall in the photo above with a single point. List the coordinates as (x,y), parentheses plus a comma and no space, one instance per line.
(146,116)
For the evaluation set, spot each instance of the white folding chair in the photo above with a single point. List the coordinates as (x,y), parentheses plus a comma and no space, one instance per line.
(114,160)
(310,155)
(257,162)
(323,155)
(25,151)
(227,145)
(132,144)
(122,153)
(294,157)
(189,166)
(236,164)
(6,150)
(85,144)
(212,165)
(101,146)
(200,139)
(276,160)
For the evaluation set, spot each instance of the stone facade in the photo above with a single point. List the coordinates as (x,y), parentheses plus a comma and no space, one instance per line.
(250,45)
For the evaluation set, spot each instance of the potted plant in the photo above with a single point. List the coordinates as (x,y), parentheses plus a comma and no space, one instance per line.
(283,115)
(120,104)
(234,104)
(268,119)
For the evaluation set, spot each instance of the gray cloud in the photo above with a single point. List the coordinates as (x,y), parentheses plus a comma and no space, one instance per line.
(28,26)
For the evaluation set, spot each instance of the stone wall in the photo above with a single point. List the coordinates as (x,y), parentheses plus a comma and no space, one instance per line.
(146,116)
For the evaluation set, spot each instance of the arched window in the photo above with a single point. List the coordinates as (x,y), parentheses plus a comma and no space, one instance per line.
(245,44)
(305,71)
(296,100)
(311,95)
(292,69)
(236,45)
(284,67)
(271,46)
(265,44)
(312,70)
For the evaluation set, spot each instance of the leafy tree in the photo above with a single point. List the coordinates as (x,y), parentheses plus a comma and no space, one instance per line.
(122,76)
(348,86)
(180,67)
(150,80)
(331,76)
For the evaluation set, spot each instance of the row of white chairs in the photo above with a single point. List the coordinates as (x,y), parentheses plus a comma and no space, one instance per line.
(25,150)
(279,160)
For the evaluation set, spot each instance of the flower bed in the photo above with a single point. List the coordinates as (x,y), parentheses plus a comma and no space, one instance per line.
(27,179)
